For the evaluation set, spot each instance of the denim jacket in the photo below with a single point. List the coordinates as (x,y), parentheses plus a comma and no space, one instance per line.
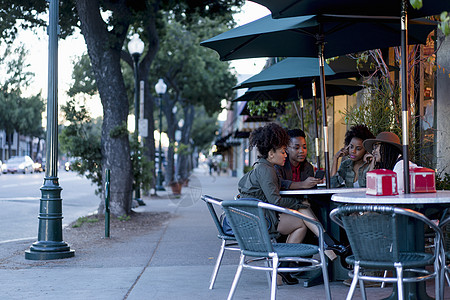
(345,175)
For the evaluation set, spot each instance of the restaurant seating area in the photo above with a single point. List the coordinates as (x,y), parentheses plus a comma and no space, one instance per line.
(378,235)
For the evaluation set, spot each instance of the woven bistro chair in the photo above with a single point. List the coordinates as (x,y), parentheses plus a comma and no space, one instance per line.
(375,233)
(228,241)
(445,227)
(247,219)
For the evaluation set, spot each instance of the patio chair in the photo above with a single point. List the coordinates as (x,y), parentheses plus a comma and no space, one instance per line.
(376,233)
(445,227)
(228,241)
(249,225)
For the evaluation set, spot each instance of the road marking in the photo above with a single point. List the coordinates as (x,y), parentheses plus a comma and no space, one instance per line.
(18,240)
(10,185)
(19,199)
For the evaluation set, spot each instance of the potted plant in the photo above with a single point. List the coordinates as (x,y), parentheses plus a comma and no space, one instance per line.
(176,184)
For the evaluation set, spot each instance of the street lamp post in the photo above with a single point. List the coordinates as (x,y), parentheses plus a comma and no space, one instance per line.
(136,47)
(50,244)
(160,89)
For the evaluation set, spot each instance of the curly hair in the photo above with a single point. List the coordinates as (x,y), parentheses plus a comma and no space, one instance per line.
(270,137)
(358,131)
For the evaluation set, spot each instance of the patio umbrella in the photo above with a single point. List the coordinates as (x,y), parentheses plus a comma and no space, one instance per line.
(306,36)
(291,92)
(291,8)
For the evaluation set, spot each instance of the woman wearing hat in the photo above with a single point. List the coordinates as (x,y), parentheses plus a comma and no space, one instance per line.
(386,154)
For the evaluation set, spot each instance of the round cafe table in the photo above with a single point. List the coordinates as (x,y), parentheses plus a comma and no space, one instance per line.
(414,238)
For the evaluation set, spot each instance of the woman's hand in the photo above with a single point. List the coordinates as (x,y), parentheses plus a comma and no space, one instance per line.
(369,159)
(308,183)
(341,153)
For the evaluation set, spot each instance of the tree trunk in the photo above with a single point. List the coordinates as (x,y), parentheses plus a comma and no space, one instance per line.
(104,49)
(183,160)
(9,140)
(168,105)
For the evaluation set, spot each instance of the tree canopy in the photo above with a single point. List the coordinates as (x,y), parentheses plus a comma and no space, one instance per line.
(18,113)
(106,26)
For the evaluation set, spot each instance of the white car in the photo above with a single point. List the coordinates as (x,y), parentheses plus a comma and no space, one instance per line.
(22,164)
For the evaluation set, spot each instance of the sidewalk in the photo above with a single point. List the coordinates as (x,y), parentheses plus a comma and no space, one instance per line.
(174,261)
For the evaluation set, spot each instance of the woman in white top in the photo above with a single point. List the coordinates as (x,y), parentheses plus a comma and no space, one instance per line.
(386,153)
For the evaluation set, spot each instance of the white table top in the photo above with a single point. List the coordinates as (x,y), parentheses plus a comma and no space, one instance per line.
(321,191)
(419,198)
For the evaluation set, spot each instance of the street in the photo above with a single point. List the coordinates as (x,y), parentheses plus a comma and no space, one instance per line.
(19,202)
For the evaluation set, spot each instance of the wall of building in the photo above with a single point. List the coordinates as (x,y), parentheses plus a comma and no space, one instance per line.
(442,111)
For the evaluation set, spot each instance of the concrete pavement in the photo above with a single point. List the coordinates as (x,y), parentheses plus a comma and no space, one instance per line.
(174,261)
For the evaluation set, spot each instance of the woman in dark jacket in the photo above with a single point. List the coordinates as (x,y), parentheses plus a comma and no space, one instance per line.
(264,184)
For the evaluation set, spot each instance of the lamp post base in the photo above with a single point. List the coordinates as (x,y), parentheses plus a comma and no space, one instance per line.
(140,201)
(137,197)
(159,185)
(160,188)
(50,244)
(48,252)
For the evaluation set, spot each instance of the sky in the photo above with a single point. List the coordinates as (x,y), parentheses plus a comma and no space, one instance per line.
(250,12)
(73,47)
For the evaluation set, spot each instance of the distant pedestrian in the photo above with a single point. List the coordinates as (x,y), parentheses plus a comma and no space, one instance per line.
(211,166)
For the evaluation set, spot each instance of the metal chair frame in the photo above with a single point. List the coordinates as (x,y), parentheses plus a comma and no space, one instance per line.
(384,252)
(228,241)
(247,219)
(444,225)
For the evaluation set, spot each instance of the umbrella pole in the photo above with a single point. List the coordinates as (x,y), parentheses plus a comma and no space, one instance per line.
(316,131)
(323,97)
(300,99)
(404,78)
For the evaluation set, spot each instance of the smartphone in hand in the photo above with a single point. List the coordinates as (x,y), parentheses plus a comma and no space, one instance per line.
(319,174)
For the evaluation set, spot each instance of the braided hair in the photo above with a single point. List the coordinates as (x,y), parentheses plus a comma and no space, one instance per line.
(358,131)
(270,137)
(389,156)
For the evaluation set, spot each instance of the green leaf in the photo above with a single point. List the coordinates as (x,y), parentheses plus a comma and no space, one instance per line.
(444,25)
(417,4)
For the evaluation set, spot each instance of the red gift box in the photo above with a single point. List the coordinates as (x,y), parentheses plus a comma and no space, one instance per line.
(422,180)
(381,182)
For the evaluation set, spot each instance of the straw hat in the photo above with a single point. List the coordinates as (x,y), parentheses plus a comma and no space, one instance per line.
(384,137)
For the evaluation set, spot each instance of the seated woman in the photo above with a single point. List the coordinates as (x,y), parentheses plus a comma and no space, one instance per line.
(263,183)
(386,153)
(352,171)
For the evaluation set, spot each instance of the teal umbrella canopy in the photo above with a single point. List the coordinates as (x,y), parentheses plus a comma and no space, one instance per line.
(290,92)
(293,70)
(292,8)
(300,36)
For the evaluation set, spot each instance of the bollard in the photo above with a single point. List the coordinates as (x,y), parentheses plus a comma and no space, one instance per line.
(107,171)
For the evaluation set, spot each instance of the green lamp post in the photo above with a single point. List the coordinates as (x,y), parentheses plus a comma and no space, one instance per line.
(160,89)
(50,244)
(136,48)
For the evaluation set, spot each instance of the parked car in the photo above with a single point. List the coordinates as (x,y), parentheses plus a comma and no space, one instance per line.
(22,164)
(1,168)
(37,167)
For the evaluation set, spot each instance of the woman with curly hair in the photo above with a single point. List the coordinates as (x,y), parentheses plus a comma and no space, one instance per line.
(263,183)
(352,171)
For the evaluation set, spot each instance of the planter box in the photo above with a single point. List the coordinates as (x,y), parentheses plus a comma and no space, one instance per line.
(381,182)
